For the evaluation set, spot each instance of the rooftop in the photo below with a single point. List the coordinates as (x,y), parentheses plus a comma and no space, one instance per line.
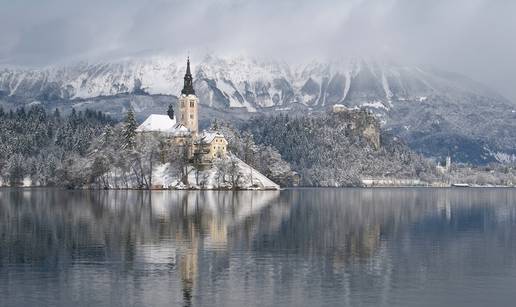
(208,136)
(157,123)
(163,124)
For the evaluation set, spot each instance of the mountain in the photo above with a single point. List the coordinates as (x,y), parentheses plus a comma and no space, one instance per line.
(435,112)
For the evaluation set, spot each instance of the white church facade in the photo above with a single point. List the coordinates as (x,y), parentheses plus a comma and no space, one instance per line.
(204,146)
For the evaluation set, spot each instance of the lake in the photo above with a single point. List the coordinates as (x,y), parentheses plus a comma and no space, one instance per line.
(297,247)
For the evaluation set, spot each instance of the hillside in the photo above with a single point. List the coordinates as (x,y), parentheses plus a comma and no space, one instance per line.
(339,149)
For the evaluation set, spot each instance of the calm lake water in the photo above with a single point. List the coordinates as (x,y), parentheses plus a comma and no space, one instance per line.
(301,247)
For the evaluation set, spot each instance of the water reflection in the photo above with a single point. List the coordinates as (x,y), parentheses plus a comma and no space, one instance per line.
(303,247)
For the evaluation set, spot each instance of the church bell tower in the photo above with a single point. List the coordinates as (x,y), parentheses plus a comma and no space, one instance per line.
(188,103)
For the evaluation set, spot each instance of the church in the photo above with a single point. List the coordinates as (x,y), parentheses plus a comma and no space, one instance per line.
(204,147)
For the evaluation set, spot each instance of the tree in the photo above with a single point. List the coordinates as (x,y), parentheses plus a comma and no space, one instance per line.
(248,144)
(99,169)
(15,171)
(234,172)
(170,111)
(57,114)
(221,166)
(129,131)
(183,161)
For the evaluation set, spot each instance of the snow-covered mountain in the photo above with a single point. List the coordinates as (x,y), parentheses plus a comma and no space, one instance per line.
(236,82)
(436,112)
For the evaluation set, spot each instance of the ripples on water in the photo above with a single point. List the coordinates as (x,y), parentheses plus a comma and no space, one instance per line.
(303,247)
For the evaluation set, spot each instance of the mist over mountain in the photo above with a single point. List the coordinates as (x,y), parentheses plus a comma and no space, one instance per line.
(437,113)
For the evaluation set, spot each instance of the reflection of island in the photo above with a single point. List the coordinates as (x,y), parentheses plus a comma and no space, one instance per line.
(166,228)
(209,245)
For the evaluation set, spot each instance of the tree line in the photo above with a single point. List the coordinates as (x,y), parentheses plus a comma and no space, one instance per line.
(38,145)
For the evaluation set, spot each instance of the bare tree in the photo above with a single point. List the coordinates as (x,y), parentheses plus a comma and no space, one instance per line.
(234,172)
(222,167)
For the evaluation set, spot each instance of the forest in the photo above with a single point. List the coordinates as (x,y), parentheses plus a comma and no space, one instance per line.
(332,149)
(39,146)
(88,149)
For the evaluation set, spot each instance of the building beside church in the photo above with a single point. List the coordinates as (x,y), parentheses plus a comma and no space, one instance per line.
(210,145)
(205,146)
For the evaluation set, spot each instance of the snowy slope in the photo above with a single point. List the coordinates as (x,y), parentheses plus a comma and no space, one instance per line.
(435,112)
(251,179)
(238,82)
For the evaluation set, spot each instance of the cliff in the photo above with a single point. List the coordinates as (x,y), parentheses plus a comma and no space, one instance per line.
(358,123)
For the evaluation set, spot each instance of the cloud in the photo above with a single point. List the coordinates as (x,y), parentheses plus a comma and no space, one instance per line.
(474,37)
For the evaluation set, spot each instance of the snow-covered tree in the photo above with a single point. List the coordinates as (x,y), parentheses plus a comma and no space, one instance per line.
(129,132)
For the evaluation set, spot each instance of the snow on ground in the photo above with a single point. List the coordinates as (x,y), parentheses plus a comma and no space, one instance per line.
(230,91)
(283,109)
(375,104)
(27,182)
(256,178)
(386,88)
(500,156)
(347,86)
(166,177)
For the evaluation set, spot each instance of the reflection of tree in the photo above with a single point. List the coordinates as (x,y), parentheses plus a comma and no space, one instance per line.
(347,225)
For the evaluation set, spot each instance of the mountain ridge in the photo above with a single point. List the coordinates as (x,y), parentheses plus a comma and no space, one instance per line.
(419,104)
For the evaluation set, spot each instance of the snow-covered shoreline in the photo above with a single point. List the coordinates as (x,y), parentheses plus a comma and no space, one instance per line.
(166,177)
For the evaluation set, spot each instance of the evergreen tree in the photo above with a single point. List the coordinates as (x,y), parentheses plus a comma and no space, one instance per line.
(129,132)
(170,111)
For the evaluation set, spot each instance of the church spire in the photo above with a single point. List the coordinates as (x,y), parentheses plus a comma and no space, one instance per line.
(188,85)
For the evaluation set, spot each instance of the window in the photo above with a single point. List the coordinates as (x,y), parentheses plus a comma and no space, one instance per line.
(182,116)
(191,116)
(192,103)
(182,104)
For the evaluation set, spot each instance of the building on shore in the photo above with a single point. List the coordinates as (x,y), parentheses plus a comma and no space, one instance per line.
(446,168)
(204,147)
(336,108)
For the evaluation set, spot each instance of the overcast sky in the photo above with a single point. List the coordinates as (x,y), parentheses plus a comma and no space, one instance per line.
(473,37)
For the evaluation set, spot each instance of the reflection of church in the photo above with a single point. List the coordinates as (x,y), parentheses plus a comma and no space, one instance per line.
(201,223)
(204,146)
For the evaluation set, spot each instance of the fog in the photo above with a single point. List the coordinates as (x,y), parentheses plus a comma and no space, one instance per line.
(473,37)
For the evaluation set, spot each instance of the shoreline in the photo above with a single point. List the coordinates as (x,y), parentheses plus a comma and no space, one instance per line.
(268,190)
